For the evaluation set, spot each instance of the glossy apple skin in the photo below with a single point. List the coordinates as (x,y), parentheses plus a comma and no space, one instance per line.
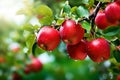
(48,38)
(112,12)
(70,32)
(101,21)
(78,51)
(98,50)
(35,65)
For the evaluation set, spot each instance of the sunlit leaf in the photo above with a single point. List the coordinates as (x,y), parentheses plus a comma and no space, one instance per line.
(46,20)
(44,10)
(30,41)
(82,11)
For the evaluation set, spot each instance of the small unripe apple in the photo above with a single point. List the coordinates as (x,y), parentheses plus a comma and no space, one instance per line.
(48,38)
(71,32)
(35,65)
(78,51)
(98,50)
(101,21)
(112,12)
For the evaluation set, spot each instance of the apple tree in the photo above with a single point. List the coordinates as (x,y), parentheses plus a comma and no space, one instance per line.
(81,36)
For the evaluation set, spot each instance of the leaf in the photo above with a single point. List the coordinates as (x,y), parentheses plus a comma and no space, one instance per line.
(112,31)
(82,11)
(36,50)
(116,54)
(60,21)
(66,8)
(104,0)
(44,10)
(30,41)
(46,20)
(73,9)
(86,26)
(27,27)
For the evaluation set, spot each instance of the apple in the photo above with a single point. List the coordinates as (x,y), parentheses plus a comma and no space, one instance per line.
(48,38)
(2,59)
(112,12)
(98,49)
(78,51)
(35,65)
(27,70)
(101,21)
(118,77)
(71,32)
(16,76)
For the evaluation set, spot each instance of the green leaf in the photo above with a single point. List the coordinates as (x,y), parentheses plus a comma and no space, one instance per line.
(116,54)
(82,11)
(46,20)
(36,50)
(30,41)
(73,9)
(27,27)
(66,8)
(44,10)
(112,31)
(60,21)
(86,26)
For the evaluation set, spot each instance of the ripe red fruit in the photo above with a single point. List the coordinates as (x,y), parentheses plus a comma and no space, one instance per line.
(27,70)
(98,50)
(35,65)
(118,77)
(101,21)
(48,38)
(16,76)
(70,32)
(112,12)
(78,51)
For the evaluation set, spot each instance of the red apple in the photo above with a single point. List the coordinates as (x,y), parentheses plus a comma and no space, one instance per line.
(70,32)
(101,21)
(98,49)
(35,65)
(112,12)
(16,76)
(2,59)
(27,70)
(48,38)
(78,51)
(118,77)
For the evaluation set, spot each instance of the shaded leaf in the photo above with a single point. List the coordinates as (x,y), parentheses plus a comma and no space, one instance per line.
(111,31)
(67,8)
(117,55)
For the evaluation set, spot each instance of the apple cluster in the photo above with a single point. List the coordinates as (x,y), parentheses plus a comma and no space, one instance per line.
(72,34)
(110,16)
